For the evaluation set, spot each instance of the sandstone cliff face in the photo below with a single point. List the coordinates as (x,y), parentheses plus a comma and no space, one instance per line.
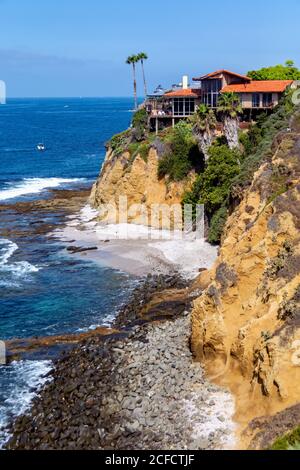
(247,322)
(138,181)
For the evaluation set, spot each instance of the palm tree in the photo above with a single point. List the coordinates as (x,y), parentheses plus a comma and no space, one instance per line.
(229,106)
(142,57)
(204,124)
(133,60)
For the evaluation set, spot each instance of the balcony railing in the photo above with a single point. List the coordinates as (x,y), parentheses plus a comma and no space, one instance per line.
(261,106)
(160,113)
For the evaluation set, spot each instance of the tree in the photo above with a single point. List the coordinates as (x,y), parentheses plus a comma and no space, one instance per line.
(229,106)
(277,72)
(142,56)
(133,60)
(289,63)
(204,124)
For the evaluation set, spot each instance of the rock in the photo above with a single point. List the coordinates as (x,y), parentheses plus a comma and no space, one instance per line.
(78,249)
(200,444)
(133,391)
(132,428)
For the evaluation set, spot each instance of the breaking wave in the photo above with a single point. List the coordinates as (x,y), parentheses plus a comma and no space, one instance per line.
(32,186)
(11,272)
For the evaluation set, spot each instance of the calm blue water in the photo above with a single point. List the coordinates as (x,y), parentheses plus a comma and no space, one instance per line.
(43,292)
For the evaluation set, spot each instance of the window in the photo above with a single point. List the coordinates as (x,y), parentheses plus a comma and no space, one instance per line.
(267,100)
(255,100)
(184,106)
(211,91)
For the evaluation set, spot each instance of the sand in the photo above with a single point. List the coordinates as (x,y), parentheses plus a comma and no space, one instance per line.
(135,249)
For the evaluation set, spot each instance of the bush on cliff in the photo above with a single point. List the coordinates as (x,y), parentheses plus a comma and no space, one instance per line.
(215,182)
(119,142)
(182,155)
(261,144)
(212,187)
(290,441)
(217,225)
(140,125)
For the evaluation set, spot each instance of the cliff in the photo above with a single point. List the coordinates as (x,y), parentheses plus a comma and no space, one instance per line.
(246,324)
(136,177)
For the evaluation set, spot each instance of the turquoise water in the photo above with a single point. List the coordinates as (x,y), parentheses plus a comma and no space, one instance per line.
(42,291)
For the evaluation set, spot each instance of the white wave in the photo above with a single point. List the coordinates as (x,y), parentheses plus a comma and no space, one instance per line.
(33,185)
(18,269)
(22,380)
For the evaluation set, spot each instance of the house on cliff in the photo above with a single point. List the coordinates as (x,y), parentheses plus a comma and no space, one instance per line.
(180,102)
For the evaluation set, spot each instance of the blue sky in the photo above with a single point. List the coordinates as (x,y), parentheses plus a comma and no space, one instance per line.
(79,47)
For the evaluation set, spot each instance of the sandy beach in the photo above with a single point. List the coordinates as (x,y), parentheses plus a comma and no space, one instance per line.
(135,249)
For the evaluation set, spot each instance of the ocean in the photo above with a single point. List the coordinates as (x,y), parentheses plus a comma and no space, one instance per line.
(42,291)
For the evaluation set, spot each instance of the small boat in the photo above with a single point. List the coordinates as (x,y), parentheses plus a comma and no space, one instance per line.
(41,147)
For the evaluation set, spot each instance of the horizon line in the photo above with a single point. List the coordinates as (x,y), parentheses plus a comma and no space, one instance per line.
(70,97)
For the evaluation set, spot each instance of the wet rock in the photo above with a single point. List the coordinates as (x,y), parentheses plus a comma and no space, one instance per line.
(80,249)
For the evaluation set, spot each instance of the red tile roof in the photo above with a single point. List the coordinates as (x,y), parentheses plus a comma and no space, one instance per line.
(263,86)
(218,74)
(182,93)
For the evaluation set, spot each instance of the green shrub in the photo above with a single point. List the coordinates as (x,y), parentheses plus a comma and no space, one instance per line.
(217,225)
(212,188)
(288,442)
(137,148)
(140,124)
(251,139)
(223,165)
(182,153)
(119,142)
(140,118)
(144,151)
(133,148)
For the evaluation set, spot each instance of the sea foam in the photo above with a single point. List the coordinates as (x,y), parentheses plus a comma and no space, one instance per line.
(13,270)
(33,186)
(20,381)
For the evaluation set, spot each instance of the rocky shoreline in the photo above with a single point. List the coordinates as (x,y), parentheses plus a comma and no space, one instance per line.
(139,389)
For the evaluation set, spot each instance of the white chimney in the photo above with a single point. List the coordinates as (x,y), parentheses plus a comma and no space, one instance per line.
(185,82)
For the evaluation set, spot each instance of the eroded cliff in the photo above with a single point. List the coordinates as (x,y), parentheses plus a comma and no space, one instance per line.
(246,324)
(136,178)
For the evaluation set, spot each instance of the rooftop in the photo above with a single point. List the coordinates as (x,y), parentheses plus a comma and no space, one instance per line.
(264,86)
(183,93)
(219,73)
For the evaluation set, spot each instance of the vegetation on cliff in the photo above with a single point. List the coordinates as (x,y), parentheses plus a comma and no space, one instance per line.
(135,140)
(182,153)
(290,441)
(261,137)
(212,187)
